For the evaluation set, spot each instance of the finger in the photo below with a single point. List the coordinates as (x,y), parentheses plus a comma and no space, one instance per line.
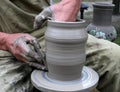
(39,55)
(37,48)
(35,55)
(25,49)
(28,61)
(30,53)
(36,45)
(38,66)
(35,65)
(38,21)
(40,18)
(39,52)
(26,58)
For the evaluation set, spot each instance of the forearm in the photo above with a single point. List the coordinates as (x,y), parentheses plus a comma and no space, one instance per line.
(72,2)
(66,10)
(74,5)
(3,37)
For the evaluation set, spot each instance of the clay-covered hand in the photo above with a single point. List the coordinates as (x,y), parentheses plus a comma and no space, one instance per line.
(40,18)
(22,47)
(66,11)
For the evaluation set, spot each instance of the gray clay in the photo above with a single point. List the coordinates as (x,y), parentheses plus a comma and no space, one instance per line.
(65,49)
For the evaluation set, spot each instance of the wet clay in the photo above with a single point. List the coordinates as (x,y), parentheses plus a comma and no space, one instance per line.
(65,59)
(65,49)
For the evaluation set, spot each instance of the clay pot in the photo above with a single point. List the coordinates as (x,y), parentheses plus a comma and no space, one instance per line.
(65,49)
(101,26)
(65,58)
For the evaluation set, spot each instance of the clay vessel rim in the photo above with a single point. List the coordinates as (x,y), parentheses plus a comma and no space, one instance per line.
(103,4)
(80,21)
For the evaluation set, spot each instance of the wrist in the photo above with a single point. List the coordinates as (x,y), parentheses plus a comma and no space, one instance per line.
(66,10)
(71,2)
(3,41)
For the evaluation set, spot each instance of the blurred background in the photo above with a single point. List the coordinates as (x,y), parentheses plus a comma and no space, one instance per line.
(88,14)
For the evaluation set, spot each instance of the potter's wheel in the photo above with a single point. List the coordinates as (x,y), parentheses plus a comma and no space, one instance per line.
(42,82)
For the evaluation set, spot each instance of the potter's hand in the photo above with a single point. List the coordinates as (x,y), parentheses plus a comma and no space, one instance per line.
(20,46)
(66,11)
(40,18)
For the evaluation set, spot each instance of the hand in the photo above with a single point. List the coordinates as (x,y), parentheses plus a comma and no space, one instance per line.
(40,18)
(66,11)
(19,46)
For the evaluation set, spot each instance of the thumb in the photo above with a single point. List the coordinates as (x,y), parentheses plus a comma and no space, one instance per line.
(41,17)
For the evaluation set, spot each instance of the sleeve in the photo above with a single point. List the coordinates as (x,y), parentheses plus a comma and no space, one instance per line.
(18,15)
(103,57)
